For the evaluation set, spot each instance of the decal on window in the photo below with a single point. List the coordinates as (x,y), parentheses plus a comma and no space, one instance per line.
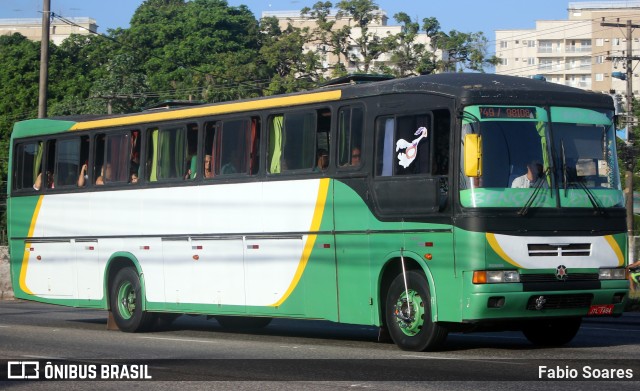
(410,148)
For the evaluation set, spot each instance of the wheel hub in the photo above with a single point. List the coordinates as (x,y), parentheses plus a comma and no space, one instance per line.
(126,300)
(409,312)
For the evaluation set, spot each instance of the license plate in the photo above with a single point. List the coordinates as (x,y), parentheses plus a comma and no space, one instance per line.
(601,309)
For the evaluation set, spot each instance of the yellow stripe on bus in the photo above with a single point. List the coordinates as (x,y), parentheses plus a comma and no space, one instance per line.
(493,242)
(25,258)
(616,249)
(323,191)
(201,111)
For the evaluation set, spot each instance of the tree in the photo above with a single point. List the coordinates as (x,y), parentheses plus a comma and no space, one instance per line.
(460,51)
(282,52)
(406,53)
(75,67)
(327,37)
(363,12)
(202,48)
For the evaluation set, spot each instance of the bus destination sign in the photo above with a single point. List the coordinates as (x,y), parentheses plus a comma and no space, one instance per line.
(508,112)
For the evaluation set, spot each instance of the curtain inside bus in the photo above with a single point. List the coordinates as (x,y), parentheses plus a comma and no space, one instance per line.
(153,177)
(275,144)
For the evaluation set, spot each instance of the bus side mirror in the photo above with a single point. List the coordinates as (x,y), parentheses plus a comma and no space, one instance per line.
(473,155)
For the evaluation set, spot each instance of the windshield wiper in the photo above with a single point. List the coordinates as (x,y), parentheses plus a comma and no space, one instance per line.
(592,198)
(566,182)
(536,191)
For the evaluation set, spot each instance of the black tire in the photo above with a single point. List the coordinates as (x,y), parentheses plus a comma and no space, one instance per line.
(242,322)
(411,327)
(552,332)
(126,302)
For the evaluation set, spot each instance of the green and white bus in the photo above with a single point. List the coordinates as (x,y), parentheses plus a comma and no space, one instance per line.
(425,205)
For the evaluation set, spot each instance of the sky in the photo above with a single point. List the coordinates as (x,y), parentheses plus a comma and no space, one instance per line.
(468,16)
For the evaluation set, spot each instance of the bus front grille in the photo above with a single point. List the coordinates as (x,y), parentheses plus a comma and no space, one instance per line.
(559,250)
(550,277)
(558,302)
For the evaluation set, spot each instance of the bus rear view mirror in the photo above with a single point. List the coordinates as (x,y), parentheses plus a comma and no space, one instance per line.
(473,155)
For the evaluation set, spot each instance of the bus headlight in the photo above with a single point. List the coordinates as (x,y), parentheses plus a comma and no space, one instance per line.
(495,276)
(612,274)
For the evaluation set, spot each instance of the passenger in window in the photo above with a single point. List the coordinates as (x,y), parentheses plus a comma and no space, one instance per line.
(323,160)
(532,178)
(207,167)
(105,175)
(135,162)
(355,156)
(82,178)
(38,183)
(133,178)
(191,171)
(231,167)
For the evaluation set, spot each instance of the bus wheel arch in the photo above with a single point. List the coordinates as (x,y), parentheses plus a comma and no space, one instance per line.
(406,306)
(125,293)
(391,269)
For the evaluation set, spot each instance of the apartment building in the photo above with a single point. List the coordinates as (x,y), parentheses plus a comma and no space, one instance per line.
(32,28)
(378,27)
(575,51)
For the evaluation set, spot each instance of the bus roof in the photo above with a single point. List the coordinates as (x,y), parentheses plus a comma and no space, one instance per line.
(468,88)
(482,88)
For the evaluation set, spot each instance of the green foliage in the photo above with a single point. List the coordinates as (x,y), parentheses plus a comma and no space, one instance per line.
(363,13)
(281,51)
(192,48)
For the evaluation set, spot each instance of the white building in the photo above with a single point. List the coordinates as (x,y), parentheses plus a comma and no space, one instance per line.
(573,51)
(59,31)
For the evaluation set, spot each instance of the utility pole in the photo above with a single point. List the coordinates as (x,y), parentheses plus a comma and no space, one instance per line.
(628,58)
(44,59)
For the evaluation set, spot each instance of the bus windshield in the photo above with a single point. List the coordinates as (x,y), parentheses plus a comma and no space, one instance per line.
(542,157)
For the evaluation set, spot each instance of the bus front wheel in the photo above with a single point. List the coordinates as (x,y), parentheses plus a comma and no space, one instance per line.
(552,332)
(126,302)
(408,314)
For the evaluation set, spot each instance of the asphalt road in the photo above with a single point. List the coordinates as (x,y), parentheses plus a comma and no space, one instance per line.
(196,353)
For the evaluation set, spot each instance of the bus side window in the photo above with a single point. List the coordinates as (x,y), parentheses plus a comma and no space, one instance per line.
(172,153)
(323,140)
(112,155)
(191,161)
(28,164)
(47,179)
(134,164)
(233,143)
(441,136)
(67,162)
(403,145)
(292,142)
(254,146)
(209,136)
(350,125)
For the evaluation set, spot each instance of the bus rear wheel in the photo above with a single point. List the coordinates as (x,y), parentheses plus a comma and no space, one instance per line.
(126,302)
(408,314)
(552,332)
